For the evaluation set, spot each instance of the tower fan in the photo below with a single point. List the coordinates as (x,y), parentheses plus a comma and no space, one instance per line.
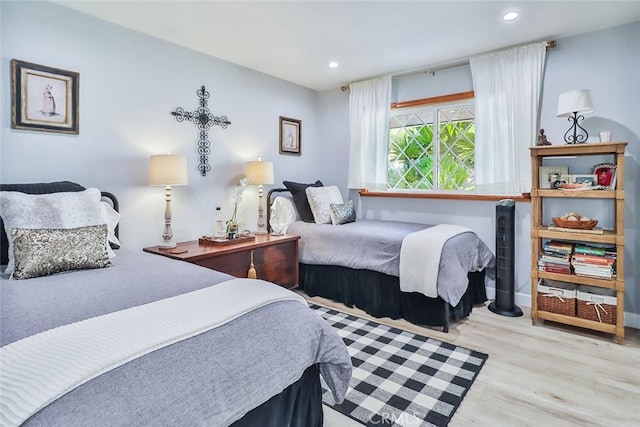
(504,303)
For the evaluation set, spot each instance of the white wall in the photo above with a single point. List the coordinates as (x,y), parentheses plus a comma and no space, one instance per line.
(129,84)
(605,62)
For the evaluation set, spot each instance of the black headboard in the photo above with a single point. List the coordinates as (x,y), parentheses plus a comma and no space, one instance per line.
(43,188)
(269,202)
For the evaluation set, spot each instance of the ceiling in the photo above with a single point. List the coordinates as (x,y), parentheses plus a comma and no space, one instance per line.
(296,40)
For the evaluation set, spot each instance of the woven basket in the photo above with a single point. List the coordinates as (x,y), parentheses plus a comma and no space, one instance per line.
(583,225)
(557,300)
(599,308)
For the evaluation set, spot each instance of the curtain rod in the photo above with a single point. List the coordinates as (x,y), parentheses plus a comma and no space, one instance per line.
(550,45)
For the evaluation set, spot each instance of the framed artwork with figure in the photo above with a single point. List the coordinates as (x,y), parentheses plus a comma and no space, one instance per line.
(44,98)
(290,135)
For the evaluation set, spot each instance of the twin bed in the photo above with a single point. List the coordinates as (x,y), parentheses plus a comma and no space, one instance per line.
(358,263)
(261,365)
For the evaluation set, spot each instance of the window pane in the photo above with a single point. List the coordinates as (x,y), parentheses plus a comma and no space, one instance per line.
(417,157)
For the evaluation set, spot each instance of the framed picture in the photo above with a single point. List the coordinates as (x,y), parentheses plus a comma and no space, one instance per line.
(44,98)
(606,174)
(290,135)
(548,175)
(584,179)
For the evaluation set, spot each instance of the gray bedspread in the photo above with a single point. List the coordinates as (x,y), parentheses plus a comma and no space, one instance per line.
(375,245)
(211,379)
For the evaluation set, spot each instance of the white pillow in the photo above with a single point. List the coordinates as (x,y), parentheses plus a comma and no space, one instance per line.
(111,217)
(56,210)
(283,213)
(320,200)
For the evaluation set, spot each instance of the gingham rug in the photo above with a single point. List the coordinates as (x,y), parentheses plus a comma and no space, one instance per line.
(400,378)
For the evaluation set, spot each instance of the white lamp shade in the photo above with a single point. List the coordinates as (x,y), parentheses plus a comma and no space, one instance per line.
(168,169)
(259,173)
(575,101)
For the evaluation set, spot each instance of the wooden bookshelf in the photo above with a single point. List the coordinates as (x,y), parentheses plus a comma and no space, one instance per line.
(615,237)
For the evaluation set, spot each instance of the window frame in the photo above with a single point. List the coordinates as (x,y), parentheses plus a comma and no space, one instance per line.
(440,194)
(439,102)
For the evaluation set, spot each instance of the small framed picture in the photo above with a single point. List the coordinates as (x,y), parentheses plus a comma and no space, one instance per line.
(44,98)
(290,136)
(584,179)
(548,175)
(606,174)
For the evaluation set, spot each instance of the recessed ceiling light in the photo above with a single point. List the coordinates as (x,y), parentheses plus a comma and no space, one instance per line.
(333,64)
(510,16)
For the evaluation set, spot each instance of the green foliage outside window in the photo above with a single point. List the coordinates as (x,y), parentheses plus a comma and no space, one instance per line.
(418,161)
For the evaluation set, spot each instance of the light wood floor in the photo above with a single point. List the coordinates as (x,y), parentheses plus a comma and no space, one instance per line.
(543,375)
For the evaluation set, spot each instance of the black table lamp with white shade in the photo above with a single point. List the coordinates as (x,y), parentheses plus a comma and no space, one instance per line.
(167,170)
(572,104)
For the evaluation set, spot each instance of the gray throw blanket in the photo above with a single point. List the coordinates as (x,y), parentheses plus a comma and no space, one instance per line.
(375,245)
(210,379)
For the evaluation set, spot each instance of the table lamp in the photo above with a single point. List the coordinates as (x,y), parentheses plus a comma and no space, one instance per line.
(569,105)
(260,173)
(167,170)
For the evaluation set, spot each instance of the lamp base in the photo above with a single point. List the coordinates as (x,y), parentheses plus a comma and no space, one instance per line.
(167,245)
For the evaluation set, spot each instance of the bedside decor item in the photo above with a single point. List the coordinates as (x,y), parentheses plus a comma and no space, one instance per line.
(44,98)
(569,105)
(232,224)
(605,136)
(210,241)
(606,175)
(260,173)
(290,135)
(251,274)
(203,118)
(542,138)
(167,170)
(590,180)
(219,227)
(548,175)
(574,220)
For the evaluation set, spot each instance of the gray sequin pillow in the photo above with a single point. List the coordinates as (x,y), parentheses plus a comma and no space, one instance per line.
(342,213)
(41,252)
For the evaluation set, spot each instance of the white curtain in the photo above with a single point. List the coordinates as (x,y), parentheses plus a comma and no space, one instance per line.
(507,89)
(369,107)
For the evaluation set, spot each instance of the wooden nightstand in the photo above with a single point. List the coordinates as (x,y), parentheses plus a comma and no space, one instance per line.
(275,258)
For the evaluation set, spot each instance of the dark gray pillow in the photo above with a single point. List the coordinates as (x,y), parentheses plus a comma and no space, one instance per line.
(299,194)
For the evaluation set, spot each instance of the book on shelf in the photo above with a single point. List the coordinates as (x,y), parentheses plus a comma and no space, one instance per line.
(596,230)
(558,247)
(593,250)
(594,267)
(594,274)
(591,259)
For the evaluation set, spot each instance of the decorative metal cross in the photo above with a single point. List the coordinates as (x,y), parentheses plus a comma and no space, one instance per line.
(203,118)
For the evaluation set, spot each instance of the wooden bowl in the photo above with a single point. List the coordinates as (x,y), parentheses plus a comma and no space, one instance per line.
(582,225)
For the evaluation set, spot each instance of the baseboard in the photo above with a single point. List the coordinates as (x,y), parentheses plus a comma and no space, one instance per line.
(631,320)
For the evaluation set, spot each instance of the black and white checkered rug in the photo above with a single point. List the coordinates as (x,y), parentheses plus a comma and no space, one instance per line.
(400,378)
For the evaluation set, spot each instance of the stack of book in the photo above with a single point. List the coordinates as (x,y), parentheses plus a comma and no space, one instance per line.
(594,261)
(556,257)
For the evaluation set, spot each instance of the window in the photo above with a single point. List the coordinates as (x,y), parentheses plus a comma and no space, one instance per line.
(432,146)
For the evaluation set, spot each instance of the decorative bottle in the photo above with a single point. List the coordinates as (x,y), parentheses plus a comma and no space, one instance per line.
(219,228)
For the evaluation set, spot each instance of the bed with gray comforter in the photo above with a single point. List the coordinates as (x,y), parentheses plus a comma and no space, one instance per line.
(212,379)
(375,245)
